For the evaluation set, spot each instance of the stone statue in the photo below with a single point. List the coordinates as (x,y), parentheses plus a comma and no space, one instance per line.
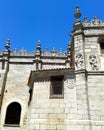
(79,61)
(93,62)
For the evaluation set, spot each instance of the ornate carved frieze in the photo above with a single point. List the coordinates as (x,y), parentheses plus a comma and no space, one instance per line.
(93,62)
(79,61)
(23,52)
(93,22)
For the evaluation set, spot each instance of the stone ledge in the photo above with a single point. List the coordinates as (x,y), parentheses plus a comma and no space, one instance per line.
(11,125)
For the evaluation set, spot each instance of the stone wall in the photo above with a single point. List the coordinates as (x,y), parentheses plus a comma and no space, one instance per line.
(96,96)
(16,90)
(15,85)
(47,113)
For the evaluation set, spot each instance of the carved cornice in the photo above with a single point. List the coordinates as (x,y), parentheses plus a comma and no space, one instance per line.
(95,72)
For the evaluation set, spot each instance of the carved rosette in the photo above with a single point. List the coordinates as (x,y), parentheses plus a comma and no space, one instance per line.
(79,61)
(93,62)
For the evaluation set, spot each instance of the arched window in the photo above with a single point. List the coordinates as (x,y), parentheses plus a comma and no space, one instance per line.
(102,47)
(13,114)
(101,43)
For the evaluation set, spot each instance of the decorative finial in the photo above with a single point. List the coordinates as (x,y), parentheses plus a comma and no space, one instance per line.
(85,19)
(60,50)
(38,41)
(53,50)
(95,18)
(47,49)
(7,46)
(38,48)
(77,14)
(69,47)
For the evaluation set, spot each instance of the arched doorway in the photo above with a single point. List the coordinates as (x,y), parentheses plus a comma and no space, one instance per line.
(13,113)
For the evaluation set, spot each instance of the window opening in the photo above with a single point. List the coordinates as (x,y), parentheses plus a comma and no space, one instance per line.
(13,114)
(56,85)
(102,47)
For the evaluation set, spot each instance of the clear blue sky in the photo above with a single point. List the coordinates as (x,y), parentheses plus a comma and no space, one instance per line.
(25,22)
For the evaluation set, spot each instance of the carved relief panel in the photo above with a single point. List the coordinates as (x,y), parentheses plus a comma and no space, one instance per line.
(79,61)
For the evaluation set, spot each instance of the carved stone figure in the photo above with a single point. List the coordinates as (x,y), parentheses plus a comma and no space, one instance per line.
(93,62)
(79,61)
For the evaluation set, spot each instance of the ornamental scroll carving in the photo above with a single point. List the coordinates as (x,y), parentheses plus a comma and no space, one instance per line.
(93,62)
(79,61)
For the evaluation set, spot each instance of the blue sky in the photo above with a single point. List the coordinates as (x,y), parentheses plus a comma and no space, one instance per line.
(25,22)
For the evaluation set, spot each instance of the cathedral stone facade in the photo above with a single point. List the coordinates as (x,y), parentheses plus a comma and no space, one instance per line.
(50,90)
